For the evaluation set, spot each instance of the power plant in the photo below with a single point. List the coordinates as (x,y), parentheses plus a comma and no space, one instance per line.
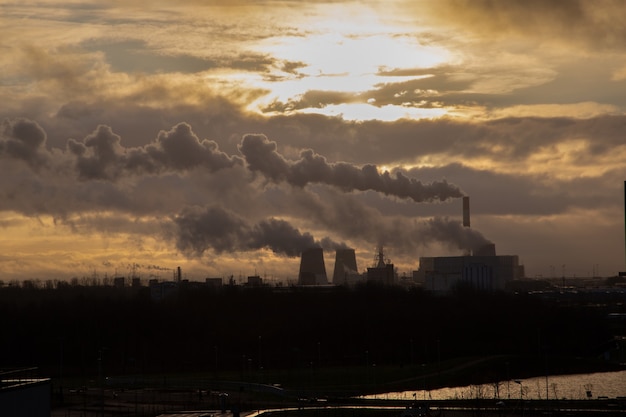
(312,268)
(345,271)
(481,268)
(382,272)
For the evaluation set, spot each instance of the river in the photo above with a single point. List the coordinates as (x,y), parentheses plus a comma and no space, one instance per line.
(572,387)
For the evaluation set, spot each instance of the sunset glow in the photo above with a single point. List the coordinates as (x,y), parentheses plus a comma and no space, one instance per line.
(164,135)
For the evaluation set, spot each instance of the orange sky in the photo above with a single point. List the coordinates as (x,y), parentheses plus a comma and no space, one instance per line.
(123,134)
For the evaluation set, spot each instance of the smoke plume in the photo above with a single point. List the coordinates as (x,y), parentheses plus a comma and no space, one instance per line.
(23,139)
(99,160)
(200,229)
(454,234)
(101,156)
(261,156)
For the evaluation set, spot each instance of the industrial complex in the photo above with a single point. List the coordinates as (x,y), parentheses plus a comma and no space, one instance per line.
(481,269)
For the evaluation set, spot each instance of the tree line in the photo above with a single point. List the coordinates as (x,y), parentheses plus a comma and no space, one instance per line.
(74,329)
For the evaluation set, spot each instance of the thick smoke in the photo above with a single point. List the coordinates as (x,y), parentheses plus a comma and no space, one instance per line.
(23,139)
(454,234)
(360,222)
(200,229)
(101,156)
(261,156)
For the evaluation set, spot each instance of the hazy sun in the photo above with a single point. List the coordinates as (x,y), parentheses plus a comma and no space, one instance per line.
(355,58)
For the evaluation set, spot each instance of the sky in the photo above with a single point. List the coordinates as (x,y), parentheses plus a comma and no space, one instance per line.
(225,137)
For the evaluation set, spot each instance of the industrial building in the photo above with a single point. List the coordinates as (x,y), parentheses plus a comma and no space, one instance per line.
(482,269)
(383,271)
(483,272)
(345,272)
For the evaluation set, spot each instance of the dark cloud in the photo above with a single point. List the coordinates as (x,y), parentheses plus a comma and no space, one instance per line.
(314,99)
(135,55)
(368,142)
(594,24)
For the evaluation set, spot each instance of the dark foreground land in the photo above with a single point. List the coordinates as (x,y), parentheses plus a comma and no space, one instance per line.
(119,352)
(175,404)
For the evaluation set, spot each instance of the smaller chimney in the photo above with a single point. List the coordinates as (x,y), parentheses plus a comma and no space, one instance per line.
(466,212)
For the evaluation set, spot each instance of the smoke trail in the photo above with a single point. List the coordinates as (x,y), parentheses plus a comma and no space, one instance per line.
(355,221)
(101,156)
(454,234)
(261,156)
(23,139)
(200,229)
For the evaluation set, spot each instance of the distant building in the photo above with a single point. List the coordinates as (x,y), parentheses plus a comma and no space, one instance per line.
(484,271)
(383,272)
(214,282)
(161,290)
(118,282)
(255,281)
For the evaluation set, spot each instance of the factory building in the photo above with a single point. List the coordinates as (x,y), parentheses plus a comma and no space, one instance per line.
(484,271)
(481,269)
(383,271)
(312,268)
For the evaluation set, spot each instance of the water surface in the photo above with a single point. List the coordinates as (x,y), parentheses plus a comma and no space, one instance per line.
(577,386)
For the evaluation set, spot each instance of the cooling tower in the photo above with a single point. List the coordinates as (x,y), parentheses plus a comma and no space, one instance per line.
(312,269)
(345,264)
(466,213)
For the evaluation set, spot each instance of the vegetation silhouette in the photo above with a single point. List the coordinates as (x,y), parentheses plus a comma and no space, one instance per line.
(74,329)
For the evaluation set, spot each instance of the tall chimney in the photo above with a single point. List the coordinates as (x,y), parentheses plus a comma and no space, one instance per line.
(623,273)
(466,212)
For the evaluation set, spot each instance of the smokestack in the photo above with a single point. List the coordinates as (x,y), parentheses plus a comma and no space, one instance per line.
(312,268)
(345,264)
(466,212)
(623,273)
(179,274)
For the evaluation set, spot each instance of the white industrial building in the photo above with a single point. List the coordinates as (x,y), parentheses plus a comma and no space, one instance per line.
(483,271)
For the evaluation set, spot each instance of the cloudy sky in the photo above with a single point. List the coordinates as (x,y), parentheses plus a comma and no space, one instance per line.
(226,136)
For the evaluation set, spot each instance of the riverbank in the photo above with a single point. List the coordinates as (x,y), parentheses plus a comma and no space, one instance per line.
(150,395)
